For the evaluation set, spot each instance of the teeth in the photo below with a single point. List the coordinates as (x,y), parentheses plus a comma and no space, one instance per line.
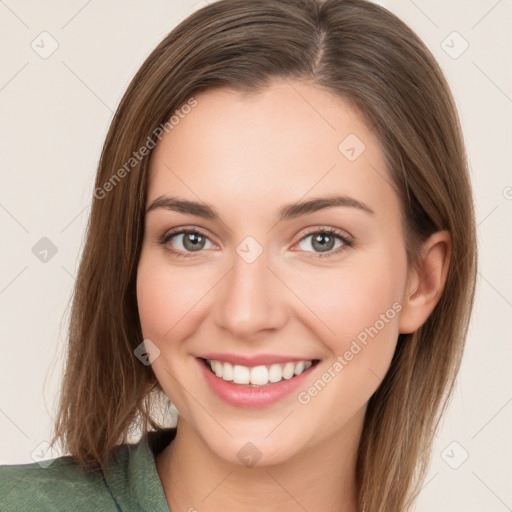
(217,368)
(300,367)
(227,372)
(275,374)
(240,374)
(257,375)
(288,371)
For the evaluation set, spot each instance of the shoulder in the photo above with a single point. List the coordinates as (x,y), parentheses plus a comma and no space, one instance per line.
(129,482)
(54,485)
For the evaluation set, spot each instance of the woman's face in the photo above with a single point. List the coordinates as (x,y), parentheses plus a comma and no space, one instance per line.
(260,284)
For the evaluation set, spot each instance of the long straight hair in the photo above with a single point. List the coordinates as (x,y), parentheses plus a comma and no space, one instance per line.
(370,58)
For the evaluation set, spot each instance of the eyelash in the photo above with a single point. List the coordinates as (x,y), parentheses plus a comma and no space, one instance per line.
(347,242)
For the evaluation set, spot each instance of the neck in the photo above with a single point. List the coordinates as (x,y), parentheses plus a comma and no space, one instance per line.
(319,478)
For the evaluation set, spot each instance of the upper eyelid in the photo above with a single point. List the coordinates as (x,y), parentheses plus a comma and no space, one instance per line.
(321,228)
(183,230)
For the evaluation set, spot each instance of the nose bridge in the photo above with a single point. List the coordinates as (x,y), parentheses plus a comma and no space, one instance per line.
(250,300)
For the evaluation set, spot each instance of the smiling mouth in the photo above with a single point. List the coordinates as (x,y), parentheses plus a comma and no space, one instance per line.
(258,376)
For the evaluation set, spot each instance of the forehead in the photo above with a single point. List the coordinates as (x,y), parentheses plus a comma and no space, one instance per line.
(285,143)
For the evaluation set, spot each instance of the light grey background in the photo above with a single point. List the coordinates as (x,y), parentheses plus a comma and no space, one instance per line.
(55,112)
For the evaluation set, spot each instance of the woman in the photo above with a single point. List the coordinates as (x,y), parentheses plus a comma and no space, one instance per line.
(311,155)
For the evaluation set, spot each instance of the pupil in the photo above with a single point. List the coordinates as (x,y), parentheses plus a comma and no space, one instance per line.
(326,245)
(193,241)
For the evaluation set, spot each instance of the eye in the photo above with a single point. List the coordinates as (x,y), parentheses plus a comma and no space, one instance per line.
(189,241)
(324,240)
(193,240)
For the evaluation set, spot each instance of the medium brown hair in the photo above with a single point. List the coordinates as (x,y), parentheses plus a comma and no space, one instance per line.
(367,56)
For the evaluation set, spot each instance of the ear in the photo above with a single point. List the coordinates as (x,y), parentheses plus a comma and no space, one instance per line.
(426,283)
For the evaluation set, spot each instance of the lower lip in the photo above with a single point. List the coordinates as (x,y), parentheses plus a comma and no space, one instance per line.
(240,395)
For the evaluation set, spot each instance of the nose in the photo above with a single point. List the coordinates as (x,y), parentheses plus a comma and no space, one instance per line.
(251,299)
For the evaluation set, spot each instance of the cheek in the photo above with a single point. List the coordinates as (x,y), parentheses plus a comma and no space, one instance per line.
(356,308)
(155,302)
(360,310)
(346,301)
(166,297)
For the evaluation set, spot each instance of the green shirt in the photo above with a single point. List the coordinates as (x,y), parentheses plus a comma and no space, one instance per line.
(130,482)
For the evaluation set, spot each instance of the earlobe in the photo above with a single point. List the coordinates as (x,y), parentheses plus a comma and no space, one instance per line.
(426,283)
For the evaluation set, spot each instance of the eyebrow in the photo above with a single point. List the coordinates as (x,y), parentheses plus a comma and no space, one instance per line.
(287,212)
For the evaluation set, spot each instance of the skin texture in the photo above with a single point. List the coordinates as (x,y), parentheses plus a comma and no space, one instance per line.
(248,157)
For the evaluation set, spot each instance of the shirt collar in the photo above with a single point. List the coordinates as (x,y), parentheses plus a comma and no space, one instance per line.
(131,475)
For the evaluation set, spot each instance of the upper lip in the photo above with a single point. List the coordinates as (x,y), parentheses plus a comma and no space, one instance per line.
(258,360)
